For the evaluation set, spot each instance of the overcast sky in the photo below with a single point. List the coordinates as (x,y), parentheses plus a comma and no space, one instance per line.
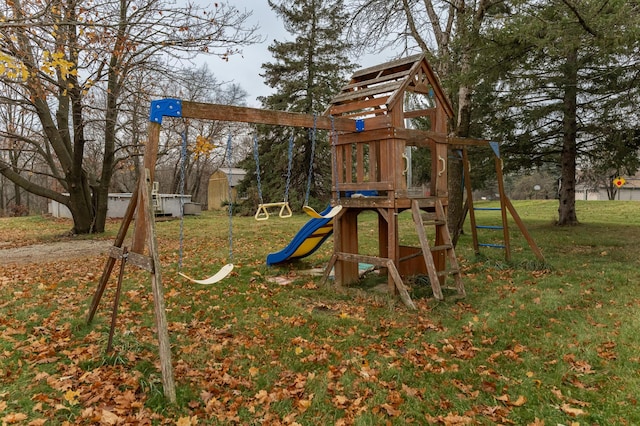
(245,69)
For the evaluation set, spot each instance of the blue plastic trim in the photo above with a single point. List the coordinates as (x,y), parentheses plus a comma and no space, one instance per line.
(367,193)
(169,107)
(487,208)
(492,245)
(495,146)
(360,125)
(488,227)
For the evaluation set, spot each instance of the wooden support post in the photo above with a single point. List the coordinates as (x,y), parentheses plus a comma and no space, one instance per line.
(346,241)
(144,237)
(158,294)
(472,214)
(393,248)
(503,210)
(150,158)
(327,270)
(399,285)
(116,300)
(443,234)
(111,261)
(383,237)
(516,217)
(426,251)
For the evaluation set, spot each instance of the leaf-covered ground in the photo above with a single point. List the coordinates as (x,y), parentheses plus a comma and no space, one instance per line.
(528,346)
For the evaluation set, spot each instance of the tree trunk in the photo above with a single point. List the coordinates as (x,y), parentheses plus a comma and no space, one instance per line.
(17,196)
(114,85)
(80,203)
(2,195)
(567,193)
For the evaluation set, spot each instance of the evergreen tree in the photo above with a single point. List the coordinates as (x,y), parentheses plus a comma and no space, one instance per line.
(305,74)
(566,73)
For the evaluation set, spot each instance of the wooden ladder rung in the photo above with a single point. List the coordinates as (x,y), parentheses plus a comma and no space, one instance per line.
(436,222)
(442,247)
(450,288)
(447,272)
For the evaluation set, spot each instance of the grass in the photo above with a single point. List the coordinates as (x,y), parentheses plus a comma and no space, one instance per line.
(529,345)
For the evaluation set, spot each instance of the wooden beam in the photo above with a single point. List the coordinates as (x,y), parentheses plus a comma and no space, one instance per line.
(357,95)
(403,62)
(375,79)
(458,141)
(206,111)
(364,137)
(420,137)
(427,112)
(356,106)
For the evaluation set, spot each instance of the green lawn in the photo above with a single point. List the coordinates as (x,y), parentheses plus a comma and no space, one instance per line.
(531,344)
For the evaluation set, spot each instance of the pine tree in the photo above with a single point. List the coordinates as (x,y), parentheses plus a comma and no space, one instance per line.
(567,74)
(305,74)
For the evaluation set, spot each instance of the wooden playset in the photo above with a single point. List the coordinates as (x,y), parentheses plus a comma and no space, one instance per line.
(368,139)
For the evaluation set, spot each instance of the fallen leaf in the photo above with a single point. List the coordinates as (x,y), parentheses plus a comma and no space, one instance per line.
(71,397)
(14,418)
(519,402)
(184,421)
(303,404)
(109,418)
(392,412)
(340,400)
(567,409)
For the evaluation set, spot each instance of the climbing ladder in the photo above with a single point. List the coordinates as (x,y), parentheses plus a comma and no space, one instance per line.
(505,206)
(445,255)
(156,199)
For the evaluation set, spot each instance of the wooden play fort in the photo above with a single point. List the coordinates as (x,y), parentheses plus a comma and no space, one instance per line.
(369,174)
(368,140)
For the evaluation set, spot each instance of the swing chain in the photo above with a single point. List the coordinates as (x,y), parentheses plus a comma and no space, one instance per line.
(334,143)
(289,164)
(256,156)
(229,157)
(312,133)
(183,161)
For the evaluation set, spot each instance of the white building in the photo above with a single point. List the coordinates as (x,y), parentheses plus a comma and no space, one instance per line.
(164,205)
(630,191)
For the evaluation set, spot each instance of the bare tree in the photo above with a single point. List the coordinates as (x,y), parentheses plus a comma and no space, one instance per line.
(59,58)
(447,31)
(204,149)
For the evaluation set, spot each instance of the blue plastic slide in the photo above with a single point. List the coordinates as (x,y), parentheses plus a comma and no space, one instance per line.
(306,242)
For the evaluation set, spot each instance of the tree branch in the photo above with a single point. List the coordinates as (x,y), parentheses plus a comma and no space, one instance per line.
(581,20)
(7,171)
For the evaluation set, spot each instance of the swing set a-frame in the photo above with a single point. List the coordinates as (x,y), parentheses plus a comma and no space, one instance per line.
(369,116)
